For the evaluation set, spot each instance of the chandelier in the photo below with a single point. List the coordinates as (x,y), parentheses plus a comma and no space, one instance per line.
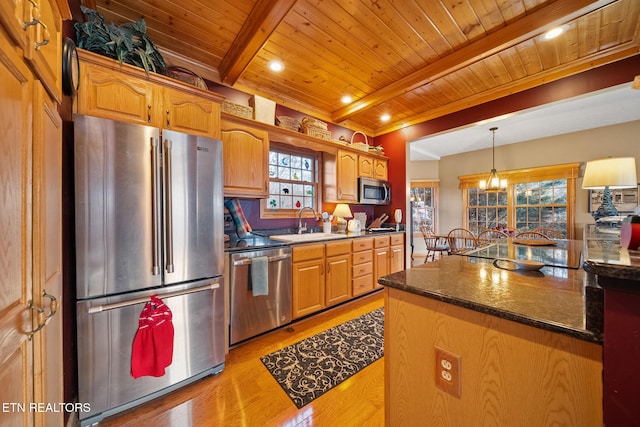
(493,183)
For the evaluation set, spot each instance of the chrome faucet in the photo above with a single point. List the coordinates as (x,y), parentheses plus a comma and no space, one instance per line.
(303,228)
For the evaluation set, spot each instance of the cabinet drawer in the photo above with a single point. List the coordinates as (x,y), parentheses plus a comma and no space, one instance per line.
(362,244)
(362,284)
(338,248)
(381,241)
(397,239)
(306,252)
(362,269)
(360,257)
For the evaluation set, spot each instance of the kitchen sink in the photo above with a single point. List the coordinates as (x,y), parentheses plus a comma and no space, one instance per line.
(307,237)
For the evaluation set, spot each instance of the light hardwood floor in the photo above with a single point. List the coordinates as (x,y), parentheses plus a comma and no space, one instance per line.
(245,394)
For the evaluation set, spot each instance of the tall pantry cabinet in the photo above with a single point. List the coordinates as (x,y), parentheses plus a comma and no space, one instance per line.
(30,219)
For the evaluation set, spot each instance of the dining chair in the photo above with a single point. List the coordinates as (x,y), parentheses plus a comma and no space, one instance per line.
(531,235)
(477,229)
(435,244)
(489,236)
(551,233)
(461,240)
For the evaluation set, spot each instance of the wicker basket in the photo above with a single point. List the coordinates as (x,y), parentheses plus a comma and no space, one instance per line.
(288,123)
(316,132)
(362,146)
(314,123)
(187,76)
(237,110)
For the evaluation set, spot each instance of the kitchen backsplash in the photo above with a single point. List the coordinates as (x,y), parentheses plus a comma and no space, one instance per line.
(251,209)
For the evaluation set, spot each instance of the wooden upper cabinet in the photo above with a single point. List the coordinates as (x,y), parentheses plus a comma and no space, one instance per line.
(104,93)
(188,114)
(341,177)
(43,47)
(245,160)
(12,17)
(126,93)
(372,168)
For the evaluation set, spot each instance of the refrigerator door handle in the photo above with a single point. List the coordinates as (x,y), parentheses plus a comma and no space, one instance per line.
(168,207)
(156,200)
(106,307)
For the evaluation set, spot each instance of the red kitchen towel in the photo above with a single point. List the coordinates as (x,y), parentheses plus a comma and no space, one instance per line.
(242,226)
(152,348)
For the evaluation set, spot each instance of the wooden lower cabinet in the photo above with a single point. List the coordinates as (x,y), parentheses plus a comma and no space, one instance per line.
(362,265)
(388,255)
(338,277)
(308,279)
(326,274)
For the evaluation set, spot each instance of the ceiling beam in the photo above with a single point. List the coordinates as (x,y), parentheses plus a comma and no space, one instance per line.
(556,13)
(264,18)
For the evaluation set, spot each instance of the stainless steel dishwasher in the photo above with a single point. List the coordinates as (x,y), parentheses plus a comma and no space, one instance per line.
(252,315)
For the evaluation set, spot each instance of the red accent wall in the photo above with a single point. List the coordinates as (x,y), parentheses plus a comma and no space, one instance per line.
(395,148)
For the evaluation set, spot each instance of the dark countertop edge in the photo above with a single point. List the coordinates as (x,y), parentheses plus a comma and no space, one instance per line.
(617,271)
(279,243)
(481,308)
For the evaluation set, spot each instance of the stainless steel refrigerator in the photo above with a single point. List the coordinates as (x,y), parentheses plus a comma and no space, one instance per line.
(149,221)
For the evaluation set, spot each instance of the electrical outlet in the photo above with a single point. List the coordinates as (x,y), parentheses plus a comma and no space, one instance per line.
(448,374)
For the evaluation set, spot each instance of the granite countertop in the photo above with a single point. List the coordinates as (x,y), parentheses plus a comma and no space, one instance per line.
(603,255)
(552,298)
(259,239)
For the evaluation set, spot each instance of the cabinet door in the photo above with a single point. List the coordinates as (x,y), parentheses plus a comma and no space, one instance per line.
(16,362)
(245,160)
(47,253)
(347,176)
(43,48)
(380,170)
(117,96)
(396,258)
(308,287)
(190,114)
(380,263)
(338,280)
(366,166)
(12,16)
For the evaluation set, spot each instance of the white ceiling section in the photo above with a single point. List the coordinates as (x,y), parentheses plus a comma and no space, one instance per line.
(619,104)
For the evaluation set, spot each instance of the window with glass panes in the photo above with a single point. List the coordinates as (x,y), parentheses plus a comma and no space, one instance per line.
(541,204)
(486,209)
(292,180)
(536,197)
(423,196)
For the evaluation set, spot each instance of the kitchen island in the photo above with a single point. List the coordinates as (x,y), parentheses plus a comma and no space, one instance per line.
(467,343)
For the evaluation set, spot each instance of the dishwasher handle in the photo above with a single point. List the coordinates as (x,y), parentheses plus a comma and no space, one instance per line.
(247,261)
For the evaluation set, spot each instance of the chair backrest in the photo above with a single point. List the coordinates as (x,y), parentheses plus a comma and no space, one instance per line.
(551,233)
(477,229)
(532,235)
(461,240)
(490,236)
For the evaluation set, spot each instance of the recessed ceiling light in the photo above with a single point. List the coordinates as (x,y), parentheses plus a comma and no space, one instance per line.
(552,34)
(276,65)
(346,99)
(385,117)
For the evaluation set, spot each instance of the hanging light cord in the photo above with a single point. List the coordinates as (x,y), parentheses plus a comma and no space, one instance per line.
(493,147)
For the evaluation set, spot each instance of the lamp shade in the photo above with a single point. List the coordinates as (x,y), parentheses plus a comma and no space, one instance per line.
(342,210)
(617,172)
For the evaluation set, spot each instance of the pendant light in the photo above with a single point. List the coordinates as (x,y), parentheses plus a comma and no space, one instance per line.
(493,183)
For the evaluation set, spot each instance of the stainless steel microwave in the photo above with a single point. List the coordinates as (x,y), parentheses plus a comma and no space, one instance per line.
(373,191)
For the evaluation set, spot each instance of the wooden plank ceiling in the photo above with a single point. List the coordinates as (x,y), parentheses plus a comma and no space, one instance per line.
(412,59)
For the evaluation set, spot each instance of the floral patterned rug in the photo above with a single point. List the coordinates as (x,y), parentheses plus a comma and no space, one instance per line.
(308,369)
